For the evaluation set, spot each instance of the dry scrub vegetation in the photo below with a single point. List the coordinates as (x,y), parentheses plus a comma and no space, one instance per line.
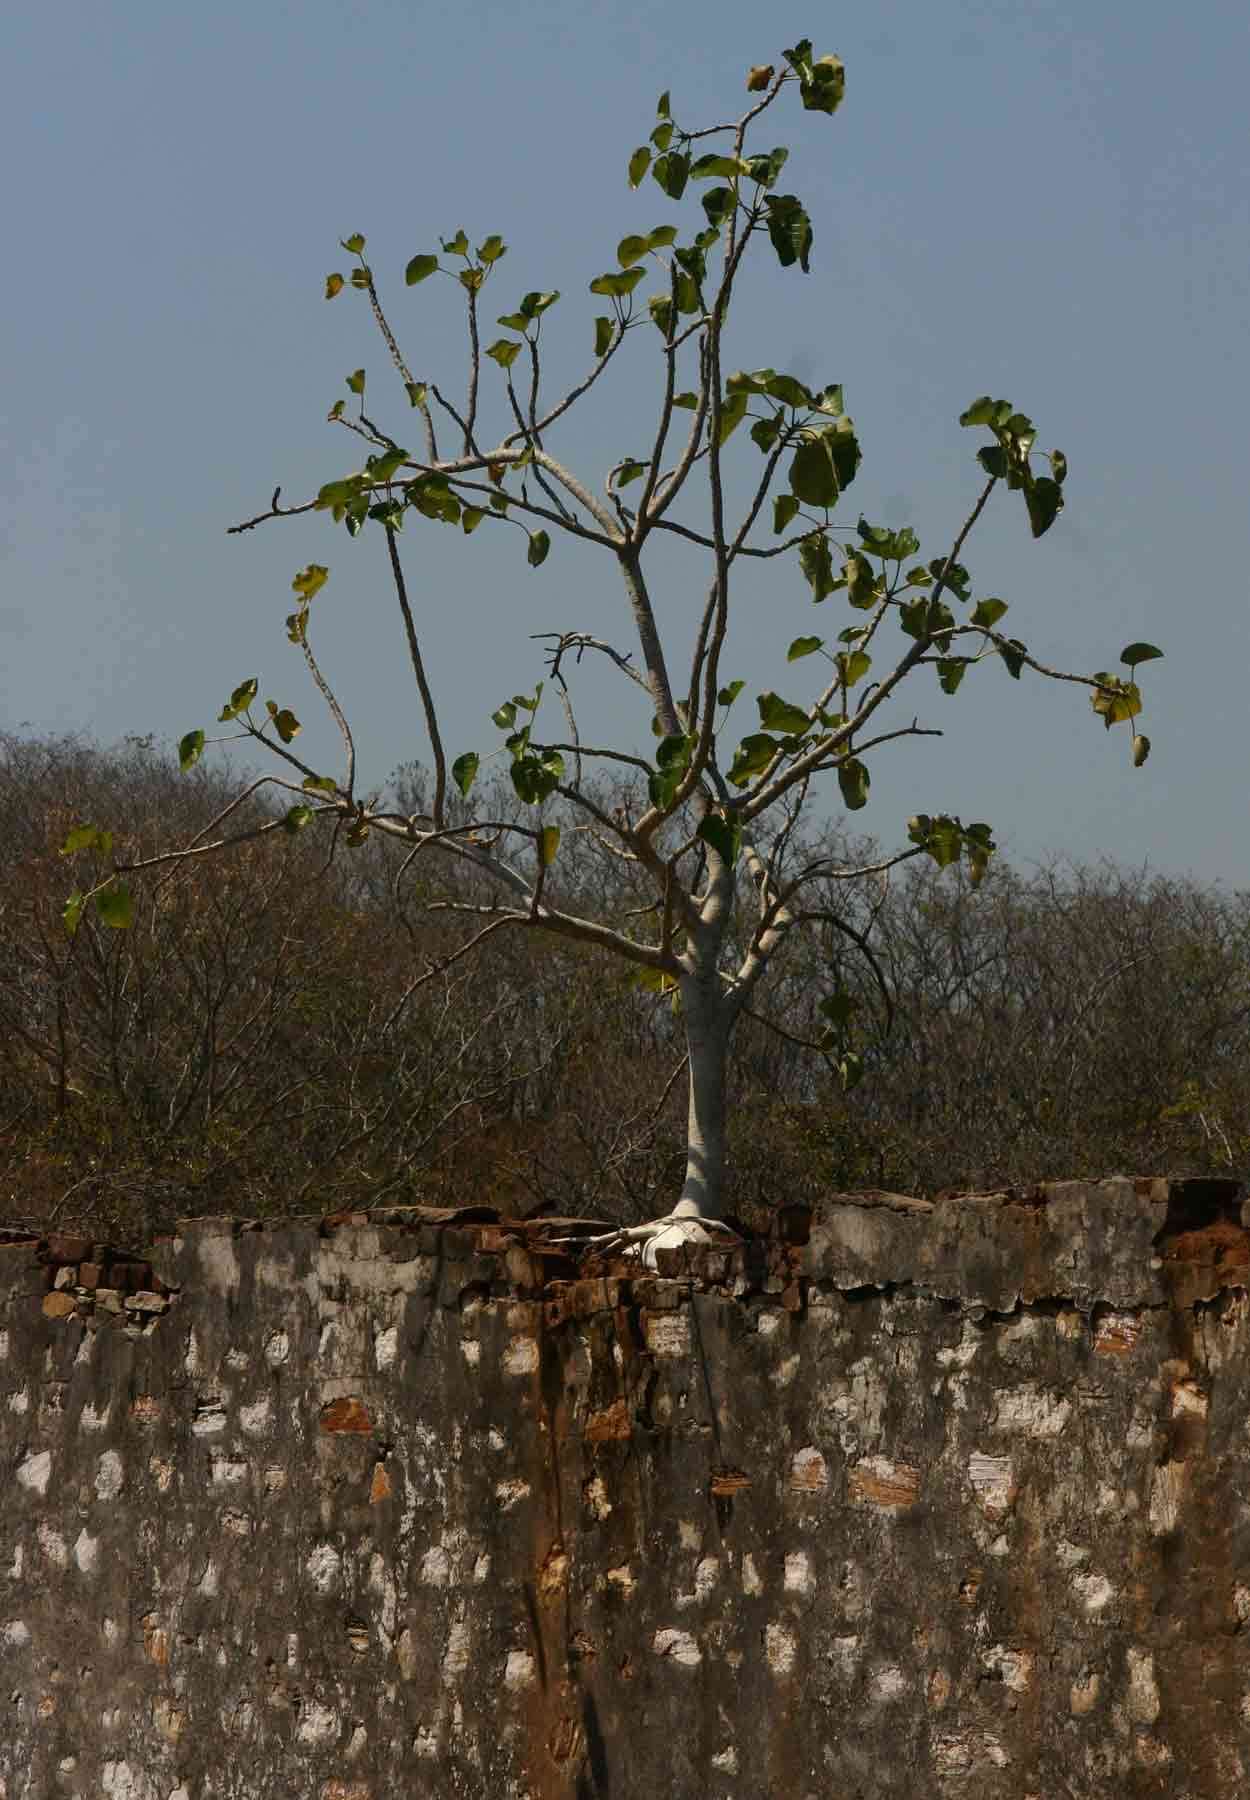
(245,1046)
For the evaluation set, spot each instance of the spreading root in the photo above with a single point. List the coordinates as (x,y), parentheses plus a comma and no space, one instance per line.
(669,1233)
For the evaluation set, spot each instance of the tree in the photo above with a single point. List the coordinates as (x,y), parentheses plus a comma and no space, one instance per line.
(710,819)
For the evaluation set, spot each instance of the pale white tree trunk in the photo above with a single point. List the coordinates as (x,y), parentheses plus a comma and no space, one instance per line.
(709,1020)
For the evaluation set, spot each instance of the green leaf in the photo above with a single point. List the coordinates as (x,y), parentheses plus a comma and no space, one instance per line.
(539,545)
(766,168)
(548,844)
(416,392)
(671,171)
(504,351)
(1141,750)
(784,508)
(319,784)
(863,585)
(334,285)
(639,163)
(812,475)
(1115,700)
(662,109)
(790,229)
(780,715)
(464,771)
(353,244)
(804,646)
(86,837)
(718,205)
(723,836)
(336,411)
(296,817)
(732,412)
(1132,654)
(456,246)
(605,331)
(190,750)
(356,381)
(994,460)
(630,250)
(240,700)
(853,665)
(470,519)
(983,411)
(1044,500)
(890,546)
(951,671)
(661,309)
(419,268)
(72,912)
(1013,653)
(285,723)
(753,754)
(361,278)
(385,467)
(816,562)
(853,781)
(629,471)
(1059,466)
(729,693)
(504,716)
(618,285)
(310,581)
(688,400)
(662,136)
(471,279)
(988,613)
(729,167)
(822,84)
(115,906)
(491,249)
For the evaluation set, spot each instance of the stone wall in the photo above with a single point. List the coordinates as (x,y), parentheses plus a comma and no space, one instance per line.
(944,1500)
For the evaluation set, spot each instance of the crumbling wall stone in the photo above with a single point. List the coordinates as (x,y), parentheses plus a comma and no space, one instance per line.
(928,1500)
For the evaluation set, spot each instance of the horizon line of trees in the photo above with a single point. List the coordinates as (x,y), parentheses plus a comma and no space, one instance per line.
(241,1048)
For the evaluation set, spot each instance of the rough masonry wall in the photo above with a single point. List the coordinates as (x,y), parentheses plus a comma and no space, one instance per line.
(948,1501)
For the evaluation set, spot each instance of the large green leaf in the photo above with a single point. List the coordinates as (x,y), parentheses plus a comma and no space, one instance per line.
(812,475)
(639,163)
(816,562)
(116,906)
(672,171)
(419,268)
(464,771)
(617,284)
(728,168)
(491,249)
(605,331)
(1132,654)
(752,756)
(240,700)
(988,613)
(1044,500)
(790,229)
(540,543)
(190,749)
(781,715)
(803,646)
(504,351)
(784,508)
(853,781)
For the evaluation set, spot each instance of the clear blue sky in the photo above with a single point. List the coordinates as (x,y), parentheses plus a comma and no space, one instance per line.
(1047,201)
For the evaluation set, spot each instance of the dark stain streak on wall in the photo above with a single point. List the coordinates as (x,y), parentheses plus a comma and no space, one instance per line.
(946,1500)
